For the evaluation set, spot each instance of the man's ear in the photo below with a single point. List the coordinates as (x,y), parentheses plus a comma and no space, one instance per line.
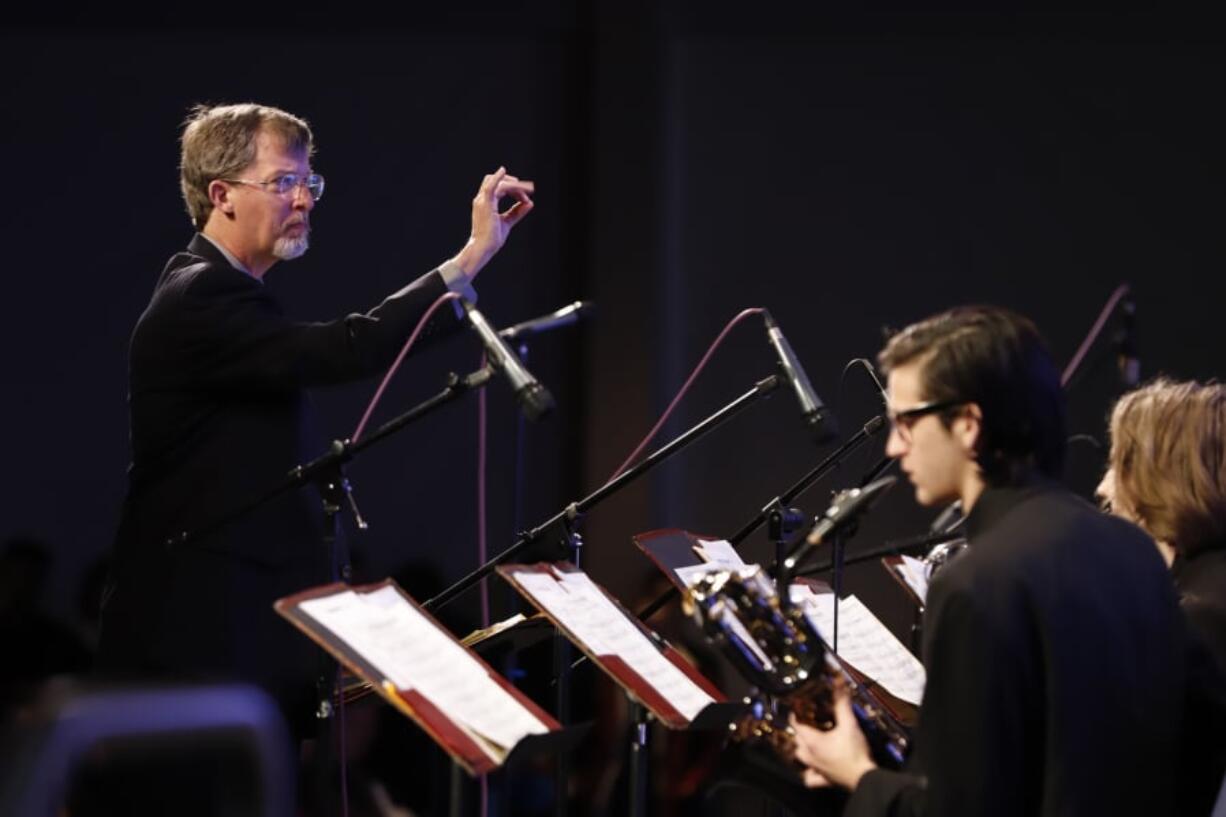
(968,427)
(219,195)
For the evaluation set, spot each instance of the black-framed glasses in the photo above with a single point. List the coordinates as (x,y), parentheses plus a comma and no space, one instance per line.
(314,183)
(903,421)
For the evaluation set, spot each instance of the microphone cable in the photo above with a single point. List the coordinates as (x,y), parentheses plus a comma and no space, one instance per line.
(404,350)
(1075,363)
(685,387)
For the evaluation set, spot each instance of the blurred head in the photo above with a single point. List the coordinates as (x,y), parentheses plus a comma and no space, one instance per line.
(1167,467)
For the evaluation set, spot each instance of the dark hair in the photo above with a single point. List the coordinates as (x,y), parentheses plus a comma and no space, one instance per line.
(996,359)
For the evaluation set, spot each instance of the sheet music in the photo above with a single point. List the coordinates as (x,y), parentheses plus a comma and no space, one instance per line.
(865,643)
(413,653)
(718,552)
(592,618)
(580,619)
(915,573)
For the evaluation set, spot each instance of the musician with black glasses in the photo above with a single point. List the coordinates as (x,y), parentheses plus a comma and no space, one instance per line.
(219,416)
(1052,646)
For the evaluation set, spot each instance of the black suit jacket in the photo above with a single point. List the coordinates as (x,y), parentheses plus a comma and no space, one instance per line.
(218,417)
(1054,651)
(1201,583)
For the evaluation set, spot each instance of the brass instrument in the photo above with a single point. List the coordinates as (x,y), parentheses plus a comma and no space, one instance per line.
(942,554)
(777,649)
(946,526)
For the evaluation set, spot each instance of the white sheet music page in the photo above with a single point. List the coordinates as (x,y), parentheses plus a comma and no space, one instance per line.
(915,573)
(865,643)
(580,619)
(718,552)
(413,653)
(583,609)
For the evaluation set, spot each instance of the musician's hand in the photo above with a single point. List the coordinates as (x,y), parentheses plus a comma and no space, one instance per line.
(840,756)
(815,780)
(490,223)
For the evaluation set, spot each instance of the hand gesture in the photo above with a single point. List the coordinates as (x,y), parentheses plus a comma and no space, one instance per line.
(490,224)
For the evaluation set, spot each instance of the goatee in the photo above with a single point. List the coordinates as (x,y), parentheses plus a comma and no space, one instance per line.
(288,248)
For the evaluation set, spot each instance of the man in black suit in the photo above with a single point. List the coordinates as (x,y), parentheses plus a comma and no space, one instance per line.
(1053,647)
(218,414)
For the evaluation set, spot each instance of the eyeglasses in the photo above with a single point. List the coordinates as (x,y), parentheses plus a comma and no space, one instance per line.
(282,185)
(903,421)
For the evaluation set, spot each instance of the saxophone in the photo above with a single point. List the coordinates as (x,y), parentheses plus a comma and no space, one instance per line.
(942,554)
(778,650)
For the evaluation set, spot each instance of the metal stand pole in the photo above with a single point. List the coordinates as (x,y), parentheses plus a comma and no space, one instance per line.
(500,797)
(824,467)
(781,523)
(761,389)
(837,548)
(638,760)
(561,674)
(455,799)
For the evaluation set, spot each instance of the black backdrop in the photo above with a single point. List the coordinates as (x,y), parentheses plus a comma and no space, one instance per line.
(849,172)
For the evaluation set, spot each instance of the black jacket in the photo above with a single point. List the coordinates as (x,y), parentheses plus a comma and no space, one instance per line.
(1054,653)
(1201,582)
(218,417)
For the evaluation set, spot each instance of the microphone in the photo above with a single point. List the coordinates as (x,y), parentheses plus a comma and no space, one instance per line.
(554,320)
(948,519)
(846,507)
(817,417)
(534,399)
(1126,346)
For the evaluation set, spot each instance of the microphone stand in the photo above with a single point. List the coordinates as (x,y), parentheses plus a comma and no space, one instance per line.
(562,524)
(781,523)
(777,509)
(511,600)
(887,549)
(327,472)
(780,503)
(557,538)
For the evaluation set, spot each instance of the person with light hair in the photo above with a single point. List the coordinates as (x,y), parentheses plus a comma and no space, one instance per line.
(218,375)
(1167,474)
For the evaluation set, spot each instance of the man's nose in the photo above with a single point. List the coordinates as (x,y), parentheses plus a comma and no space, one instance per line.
(895,446)
(303,200)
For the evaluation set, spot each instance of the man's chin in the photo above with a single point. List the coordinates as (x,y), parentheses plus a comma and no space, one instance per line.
(923,497)
(287,249)
(928,499)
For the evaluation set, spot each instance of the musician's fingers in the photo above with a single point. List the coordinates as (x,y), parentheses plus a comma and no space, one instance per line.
(814,779)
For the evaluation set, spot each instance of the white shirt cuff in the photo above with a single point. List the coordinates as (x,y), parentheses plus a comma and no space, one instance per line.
(456,280)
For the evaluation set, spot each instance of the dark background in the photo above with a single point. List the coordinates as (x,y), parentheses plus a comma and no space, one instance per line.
(848,171)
